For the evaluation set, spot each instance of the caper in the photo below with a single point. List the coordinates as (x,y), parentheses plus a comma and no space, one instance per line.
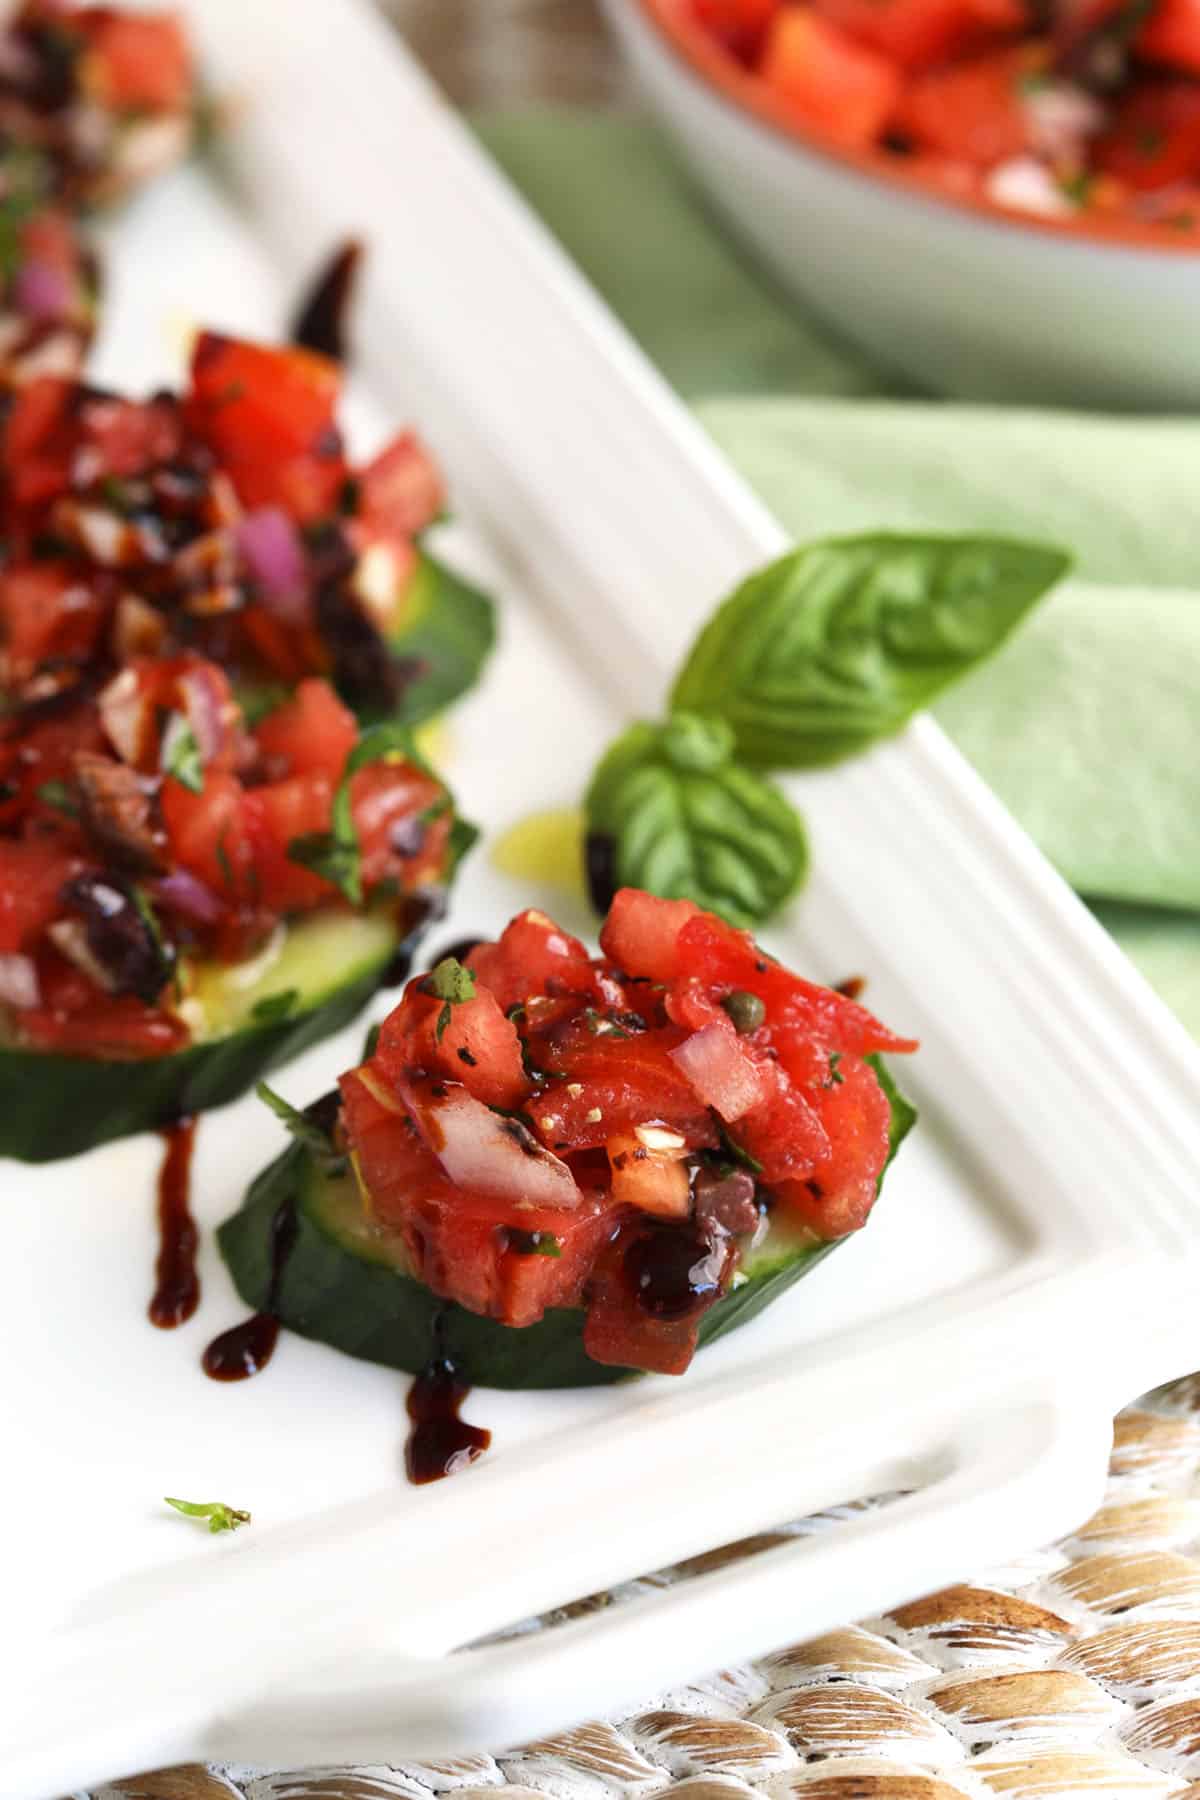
(746,1010)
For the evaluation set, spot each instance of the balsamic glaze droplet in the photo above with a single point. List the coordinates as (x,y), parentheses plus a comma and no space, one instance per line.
(247,1348)
(674,1269)
(852,987)
(460,949)
(600,859)
(177,1285)
(320,322)
(242,1350)
(440,1443)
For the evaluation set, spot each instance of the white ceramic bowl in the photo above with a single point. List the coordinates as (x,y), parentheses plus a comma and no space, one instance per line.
(963,296)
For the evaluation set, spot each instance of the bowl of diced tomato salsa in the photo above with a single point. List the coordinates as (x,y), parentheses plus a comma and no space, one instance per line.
(996,198)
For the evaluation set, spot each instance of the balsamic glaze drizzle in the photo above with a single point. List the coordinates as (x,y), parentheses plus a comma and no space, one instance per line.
(440,1443)
(177,1286)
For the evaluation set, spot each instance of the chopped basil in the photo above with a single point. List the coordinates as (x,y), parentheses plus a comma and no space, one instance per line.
(219,1516)
(275,1006)
(335,855)
(835,1077)
(303,1127)
(734,1150)
(531,1243)
(452,983)
(181,754)
(61,796)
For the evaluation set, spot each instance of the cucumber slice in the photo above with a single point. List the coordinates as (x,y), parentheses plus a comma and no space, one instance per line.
(449,627)
(443,623)
(247,1021)
(345,1282)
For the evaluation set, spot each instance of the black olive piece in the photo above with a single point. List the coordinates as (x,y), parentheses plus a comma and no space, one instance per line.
(727,1199)
(121,934)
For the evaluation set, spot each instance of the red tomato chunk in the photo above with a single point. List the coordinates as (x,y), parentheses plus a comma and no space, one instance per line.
(546,1129)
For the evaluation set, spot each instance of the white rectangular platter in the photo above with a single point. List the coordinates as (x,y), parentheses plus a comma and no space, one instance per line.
(1035,1262)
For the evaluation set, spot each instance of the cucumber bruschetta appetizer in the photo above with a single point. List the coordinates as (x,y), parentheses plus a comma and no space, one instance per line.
(94,101)
(188,899)
(228,521)
(553,1169)
(105,97)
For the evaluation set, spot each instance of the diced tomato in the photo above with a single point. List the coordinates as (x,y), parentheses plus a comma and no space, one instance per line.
(631,1322)
(310,734)
(269,417)
(533,956)
(36,451)
(784,1134)
(841,88)
(112,1026)
(918,33)
(32,875)
(402,820)
(734,17)
(208,834)
(839,1192)
(46,614)
(455,1239)
(137,62)
(1171,35)
(131,436)
(276,815)
(614,1084)
(401,490)
(976,109)
(473,1043)
(1153,139)
(641,933)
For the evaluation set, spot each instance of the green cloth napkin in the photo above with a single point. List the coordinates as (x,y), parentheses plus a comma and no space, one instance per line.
(1085,724)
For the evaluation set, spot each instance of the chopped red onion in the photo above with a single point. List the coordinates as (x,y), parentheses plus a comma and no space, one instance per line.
(19,982)
(185,894)
(127,716)
(41,291)
(274,556)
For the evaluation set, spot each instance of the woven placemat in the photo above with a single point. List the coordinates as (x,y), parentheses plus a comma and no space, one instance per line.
(1073,1671)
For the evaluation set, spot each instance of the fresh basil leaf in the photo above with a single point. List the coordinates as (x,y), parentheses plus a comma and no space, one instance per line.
(687,822)
(219,1516)
(181,754)
(302,1125)
(447,629)
(332,858)
(838,643)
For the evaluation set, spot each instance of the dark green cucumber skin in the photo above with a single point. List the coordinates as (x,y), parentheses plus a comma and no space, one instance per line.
(369,1310)
(54,1106)
(452,640)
